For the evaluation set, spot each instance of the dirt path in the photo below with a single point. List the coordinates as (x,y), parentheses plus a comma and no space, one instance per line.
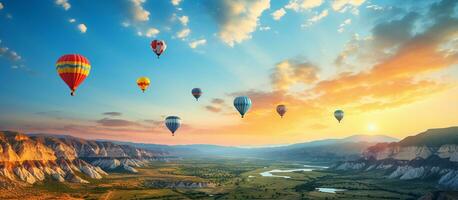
(107,195)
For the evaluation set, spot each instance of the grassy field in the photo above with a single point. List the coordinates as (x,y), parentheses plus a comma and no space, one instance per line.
(235,179)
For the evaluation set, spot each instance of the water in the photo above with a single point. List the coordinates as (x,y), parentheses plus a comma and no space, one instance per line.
(330,190)
(308,168)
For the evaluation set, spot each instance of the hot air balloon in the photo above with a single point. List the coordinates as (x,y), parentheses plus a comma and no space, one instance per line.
(281,110)
(173,123)
(242,104)
(143,83)
(73,69)
(196,92)
(158,47)
(339,114)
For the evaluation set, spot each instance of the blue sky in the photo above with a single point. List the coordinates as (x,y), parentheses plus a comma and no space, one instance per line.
(241,47)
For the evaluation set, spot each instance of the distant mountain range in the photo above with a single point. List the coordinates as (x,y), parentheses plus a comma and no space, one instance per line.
(429,155)
(30,158)
(321,150)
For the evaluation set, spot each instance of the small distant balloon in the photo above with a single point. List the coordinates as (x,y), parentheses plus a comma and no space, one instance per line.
(196,92)
(73,69)
(339,114)
(281,110)
(173,123)
(242,104)
(143,83)
(158,47)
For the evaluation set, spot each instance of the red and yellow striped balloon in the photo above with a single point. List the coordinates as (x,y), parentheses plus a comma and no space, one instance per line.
(143,83)
(73,69)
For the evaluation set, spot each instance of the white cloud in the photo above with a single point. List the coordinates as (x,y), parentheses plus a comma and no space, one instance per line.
(63,3)
(194,44)
(82,28)
(374,7)
(342,26)
(183,33)
(278,14)
(342,5)
(10,54)
(316,18)
(301,5)
(151,32)
(264,28)
(176,2)
(240,20)
(139,13)
(184,20)
(72,20)
(1,5)
(125,24)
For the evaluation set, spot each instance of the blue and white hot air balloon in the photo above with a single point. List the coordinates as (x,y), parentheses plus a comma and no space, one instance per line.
(173,123)
(339,114)
(242,104)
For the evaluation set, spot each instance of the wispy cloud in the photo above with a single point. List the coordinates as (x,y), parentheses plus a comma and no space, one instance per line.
(194,44)
(343,24)
(278,14)
(139,13)
(183,33)
(64,4)
(116,122)
(112,114)
(297,6)
(176,2)
(184,20)
(216,105)
(239,20)
(315,18)
(82,28)
(343,5)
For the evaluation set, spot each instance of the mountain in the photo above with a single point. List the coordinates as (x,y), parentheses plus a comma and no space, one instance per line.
(432,154)
(32,158)
(321,150)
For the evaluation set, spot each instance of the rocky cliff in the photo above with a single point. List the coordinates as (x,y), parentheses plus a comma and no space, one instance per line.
(431,155)
(64,158)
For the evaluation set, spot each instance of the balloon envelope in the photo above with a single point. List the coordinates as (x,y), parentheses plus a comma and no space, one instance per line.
(242,104)
(196,92)
(143,83)
(73,69)
(173,123)
(158,47)
(339,114)
(281,110)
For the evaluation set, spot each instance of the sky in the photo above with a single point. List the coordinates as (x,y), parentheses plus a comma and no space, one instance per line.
(392,66)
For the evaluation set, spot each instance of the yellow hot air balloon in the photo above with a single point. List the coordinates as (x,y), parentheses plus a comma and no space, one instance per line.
(143,83)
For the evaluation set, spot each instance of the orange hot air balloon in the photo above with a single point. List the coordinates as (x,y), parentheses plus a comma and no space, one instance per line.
(143,83)
(73,69)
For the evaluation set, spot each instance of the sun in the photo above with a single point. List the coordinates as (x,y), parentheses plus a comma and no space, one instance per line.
(371,127)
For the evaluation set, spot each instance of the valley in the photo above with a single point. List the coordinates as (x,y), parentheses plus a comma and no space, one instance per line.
(230,179)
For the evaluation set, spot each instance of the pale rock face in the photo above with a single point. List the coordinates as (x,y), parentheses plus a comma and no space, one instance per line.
(129,169)
(31,159)
(448,151)
(24,175)
(410,153)
(401,170)
(57,177)
(397,152)
(450,180)
(351,166)
(413,173)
